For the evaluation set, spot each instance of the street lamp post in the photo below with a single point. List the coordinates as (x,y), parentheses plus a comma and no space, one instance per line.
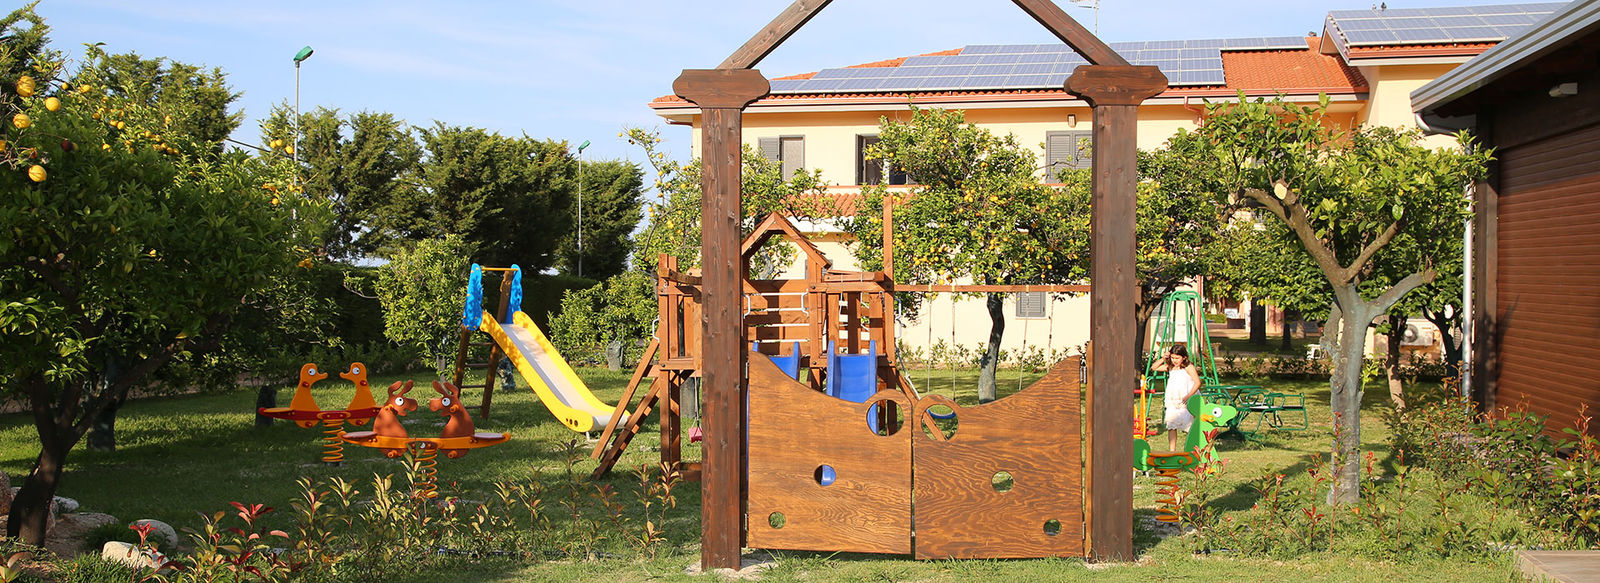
(585,144)
(294,154)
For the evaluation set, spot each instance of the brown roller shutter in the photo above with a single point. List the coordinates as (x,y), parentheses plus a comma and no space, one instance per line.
(1549,276)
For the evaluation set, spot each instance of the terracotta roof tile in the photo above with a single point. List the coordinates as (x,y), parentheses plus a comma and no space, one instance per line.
(1290,71)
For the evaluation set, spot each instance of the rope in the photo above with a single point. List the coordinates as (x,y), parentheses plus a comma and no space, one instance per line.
(1023,355)
(952,339)
(928,313)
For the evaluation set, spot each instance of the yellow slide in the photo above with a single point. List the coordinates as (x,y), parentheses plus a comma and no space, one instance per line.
(543,369)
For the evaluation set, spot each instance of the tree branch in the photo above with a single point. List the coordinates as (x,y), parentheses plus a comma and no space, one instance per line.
(1400,289)
(1371,248)
(1295,218)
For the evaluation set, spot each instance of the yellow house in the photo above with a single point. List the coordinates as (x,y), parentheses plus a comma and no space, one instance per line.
(1366,61)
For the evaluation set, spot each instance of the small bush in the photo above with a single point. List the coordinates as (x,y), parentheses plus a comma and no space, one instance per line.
(97,537)
(90,568)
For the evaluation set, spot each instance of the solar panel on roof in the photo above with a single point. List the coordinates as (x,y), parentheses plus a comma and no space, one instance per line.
(1475,33)
(1457,21)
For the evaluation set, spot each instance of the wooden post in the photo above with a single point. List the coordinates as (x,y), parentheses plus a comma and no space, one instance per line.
(722,95)
(889,347)
(1115,93)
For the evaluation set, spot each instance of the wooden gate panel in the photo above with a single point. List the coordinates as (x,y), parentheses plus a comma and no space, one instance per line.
(794,431)
(1034,436)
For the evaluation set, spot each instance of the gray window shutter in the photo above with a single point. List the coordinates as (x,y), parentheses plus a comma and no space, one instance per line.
(793,156)
(1058,153)
(1031,305)
(1082,149)
(769,149)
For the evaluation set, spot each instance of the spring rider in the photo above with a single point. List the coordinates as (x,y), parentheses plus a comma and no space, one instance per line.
(460,435)
(303,409)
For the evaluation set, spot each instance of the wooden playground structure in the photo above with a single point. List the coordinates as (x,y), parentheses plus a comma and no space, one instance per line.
(838,450)
(1091,516)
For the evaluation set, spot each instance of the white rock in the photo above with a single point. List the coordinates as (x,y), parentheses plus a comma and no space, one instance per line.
(66,505)
(163,535)
(132,556)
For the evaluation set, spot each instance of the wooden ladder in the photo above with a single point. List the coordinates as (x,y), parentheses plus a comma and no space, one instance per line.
(663,391)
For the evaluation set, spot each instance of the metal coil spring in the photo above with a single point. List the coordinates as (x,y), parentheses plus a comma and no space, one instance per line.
(423,455)
(1167,494)
(332,444)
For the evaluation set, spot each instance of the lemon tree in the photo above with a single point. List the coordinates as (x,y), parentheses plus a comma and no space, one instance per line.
(977,213)
(132,246)
(1373,208)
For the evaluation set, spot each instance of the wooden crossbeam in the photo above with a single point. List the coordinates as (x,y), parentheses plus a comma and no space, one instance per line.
(777,31)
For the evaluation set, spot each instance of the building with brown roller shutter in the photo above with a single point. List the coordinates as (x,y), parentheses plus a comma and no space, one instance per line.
(1535,242)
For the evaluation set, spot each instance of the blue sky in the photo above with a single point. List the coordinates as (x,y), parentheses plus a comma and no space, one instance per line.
(584,69)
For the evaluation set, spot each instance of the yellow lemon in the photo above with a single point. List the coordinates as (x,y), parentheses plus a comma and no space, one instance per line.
(36,173)
(274,201)
(288,149)
(25,86)
(3,145)
(52,104)
(22,121)
(275,144)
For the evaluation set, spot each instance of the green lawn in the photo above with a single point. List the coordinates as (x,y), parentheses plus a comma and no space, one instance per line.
(184,455)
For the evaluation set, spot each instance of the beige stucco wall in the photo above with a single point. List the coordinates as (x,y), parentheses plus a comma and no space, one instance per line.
(1389,99)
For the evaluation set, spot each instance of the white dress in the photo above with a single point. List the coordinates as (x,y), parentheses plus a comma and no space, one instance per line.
(1179,383)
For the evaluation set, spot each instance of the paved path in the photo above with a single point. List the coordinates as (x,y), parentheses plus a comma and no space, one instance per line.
(1563,566)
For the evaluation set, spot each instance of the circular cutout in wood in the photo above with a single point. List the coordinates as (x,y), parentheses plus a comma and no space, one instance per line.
(885,417)
(824,475)
(1052,527)
(1002,481)
(775,520)
(943,418)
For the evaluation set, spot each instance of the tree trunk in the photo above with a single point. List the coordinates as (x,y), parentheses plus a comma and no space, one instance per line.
(30,510)
(1452,346)
(1258,322)
(1345,396)
(1147,306)
(1288,334)
(266,398)
(1391,360)
(103,434)
(991,353)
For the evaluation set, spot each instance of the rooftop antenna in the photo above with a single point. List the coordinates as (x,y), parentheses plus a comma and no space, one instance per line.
(1093,5)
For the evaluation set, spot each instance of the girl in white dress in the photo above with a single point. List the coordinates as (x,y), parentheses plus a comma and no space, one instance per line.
(1183,381)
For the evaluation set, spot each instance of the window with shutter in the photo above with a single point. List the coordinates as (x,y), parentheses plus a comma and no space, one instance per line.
(1065,150)
(769,149)
(792,152)
(1031,305)
(867,171)
(873,171)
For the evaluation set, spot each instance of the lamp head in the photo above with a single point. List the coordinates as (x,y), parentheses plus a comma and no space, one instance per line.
(585,144)
(305,53)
